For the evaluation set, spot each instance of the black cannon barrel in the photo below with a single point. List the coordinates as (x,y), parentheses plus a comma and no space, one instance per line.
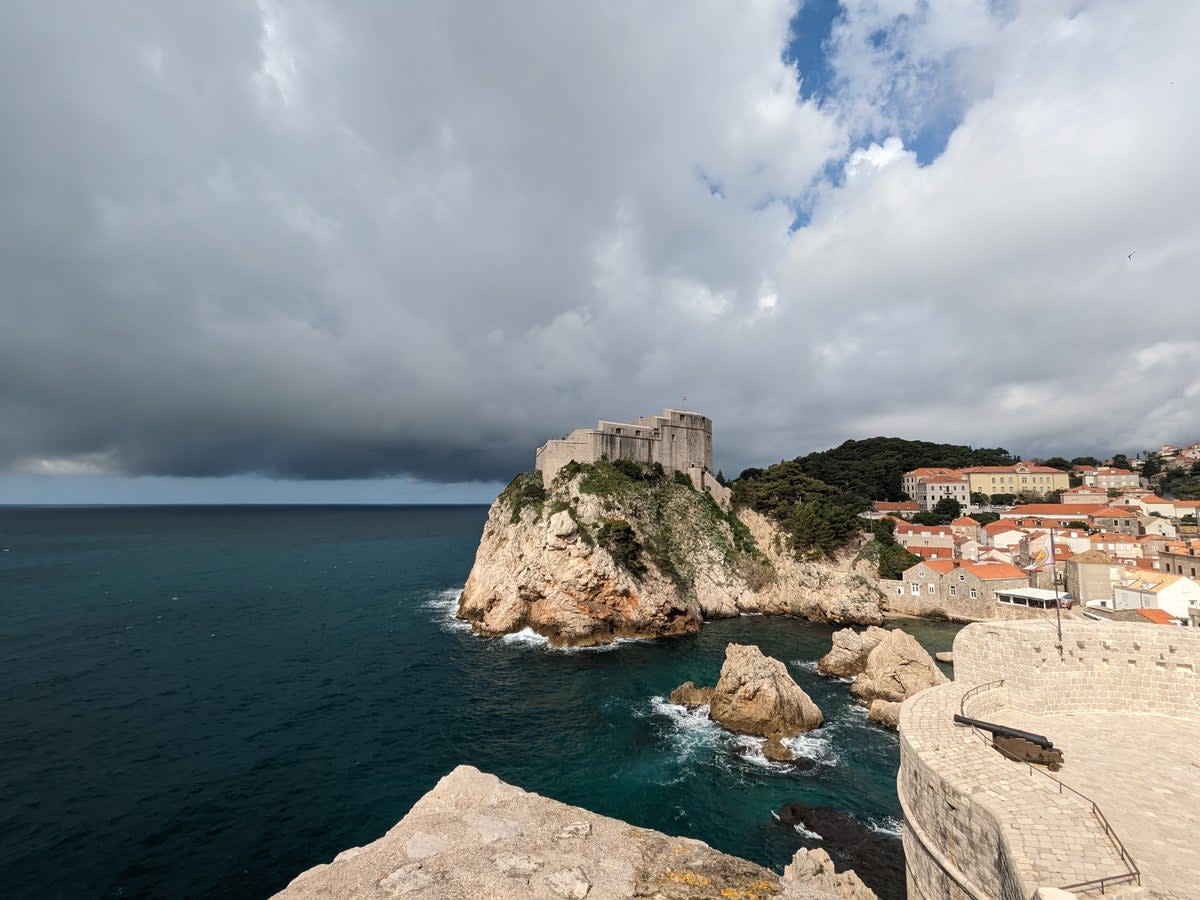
(1004,731)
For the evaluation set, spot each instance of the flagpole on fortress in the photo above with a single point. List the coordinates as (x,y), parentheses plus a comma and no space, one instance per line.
(1054,576)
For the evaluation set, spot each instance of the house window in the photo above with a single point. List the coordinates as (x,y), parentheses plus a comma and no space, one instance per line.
(962,577)
(954,590)
(974,593)
(931,589)
(916,589)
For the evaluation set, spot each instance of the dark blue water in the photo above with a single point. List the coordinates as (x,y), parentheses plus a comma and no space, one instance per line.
(204,702)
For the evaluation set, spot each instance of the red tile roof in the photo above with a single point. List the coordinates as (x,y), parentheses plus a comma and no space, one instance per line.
(895,506)
(1157,616)
(999,527)
(941,565)
(946,553)
(993,571)
(964,520)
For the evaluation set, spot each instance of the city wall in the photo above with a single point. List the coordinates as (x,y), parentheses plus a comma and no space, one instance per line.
(980,827)
(677,439)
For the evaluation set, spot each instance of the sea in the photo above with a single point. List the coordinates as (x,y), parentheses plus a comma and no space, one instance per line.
(206,701)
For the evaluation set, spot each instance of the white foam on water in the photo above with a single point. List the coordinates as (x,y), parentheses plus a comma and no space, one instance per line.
(526,636)
(692,728)
(445,604)
(804,832)
(820,747)
(889,825)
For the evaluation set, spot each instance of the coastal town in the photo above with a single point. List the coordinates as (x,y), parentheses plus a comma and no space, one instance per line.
(1099,539)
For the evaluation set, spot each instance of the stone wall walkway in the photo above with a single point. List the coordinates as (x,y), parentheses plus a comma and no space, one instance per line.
(1144,772)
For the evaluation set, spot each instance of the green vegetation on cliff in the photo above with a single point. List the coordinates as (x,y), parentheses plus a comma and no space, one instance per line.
(818,498)
(871,469)
(650,519)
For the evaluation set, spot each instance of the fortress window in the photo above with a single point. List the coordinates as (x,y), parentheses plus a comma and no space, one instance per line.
(618,431)
(673,438)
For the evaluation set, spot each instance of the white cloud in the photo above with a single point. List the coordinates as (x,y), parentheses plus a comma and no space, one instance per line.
(424,237)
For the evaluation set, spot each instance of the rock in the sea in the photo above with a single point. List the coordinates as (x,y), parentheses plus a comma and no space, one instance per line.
(756,695)
(815,868)
(687,694)
(601,553)
(552,850)
(946,656)
(885,712)
(897,669)
(848,656)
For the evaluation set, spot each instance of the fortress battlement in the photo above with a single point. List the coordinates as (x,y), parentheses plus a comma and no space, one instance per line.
(678,439)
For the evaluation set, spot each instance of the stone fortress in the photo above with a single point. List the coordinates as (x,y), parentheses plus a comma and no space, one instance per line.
(1121,819)
(680,440)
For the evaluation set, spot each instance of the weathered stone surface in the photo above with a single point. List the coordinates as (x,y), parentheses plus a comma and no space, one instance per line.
(421,845)
(405,880)
(541,566)
(687,694)
(885,712)
(756,695)
(946,656)
(517,866)
(555,851)
(815,868)
(850,649)
(571,883)
(896,669)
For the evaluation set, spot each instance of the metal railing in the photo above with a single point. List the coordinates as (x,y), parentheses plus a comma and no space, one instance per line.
(1132,873)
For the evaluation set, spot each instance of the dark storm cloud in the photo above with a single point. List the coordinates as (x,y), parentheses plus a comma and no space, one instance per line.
(334,240)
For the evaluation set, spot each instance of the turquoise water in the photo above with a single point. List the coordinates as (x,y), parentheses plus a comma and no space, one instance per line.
(206,701)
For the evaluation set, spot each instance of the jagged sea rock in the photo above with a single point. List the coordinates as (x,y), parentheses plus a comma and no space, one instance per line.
(599,555)
(946,656)
(815,868)
(550,850)
(850,649)
(885,712)
(897,668)
(687,694)
(756,695)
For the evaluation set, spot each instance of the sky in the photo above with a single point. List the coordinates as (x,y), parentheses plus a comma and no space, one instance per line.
(365,252)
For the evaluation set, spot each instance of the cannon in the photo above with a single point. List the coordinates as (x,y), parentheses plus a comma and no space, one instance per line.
(1023,746)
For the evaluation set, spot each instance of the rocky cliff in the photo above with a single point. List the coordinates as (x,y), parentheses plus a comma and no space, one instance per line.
(616,550)
(473,837)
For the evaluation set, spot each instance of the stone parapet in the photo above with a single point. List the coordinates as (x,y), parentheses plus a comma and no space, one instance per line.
(979,826)
(1100,667)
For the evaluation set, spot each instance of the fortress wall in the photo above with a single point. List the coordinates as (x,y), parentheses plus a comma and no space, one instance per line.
(677,439)
(975,823)
(553,455)
(1103,666)
(955,847)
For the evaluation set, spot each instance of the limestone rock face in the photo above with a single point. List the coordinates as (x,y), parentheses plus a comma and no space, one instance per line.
(885,712)
(946,656)
(896,669)
(756,695)
(835,590)
(591,558)
(687,694)
(850,649)
(815,868)
(531,846)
